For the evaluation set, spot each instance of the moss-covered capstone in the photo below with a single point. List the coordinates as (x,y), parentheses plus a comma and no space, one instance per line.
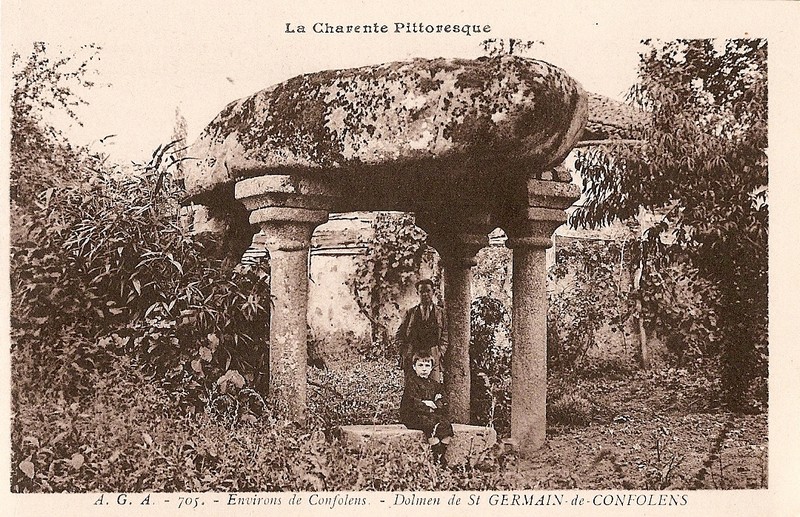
(451,116)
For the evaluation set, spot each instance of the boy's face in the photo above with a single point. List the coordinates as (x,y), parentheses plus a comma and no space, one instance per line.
(423,368)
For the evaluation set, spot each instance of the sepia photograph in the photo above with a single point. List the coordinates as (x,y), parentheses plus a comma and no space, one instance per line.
(412,259)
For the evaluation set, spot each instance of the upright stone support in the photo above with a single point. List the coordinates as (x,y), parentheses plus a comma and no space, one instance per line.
(529,330)
(288,239)
(457,250)
(458,298)
(457,260)
(529,236)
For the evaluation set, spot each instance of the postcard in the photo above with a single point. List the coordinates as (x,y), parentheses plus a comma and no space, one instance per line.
(451,258)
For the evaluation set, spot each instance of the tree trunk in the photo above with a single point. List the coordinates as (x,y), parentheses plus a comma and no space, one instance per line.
(644,348)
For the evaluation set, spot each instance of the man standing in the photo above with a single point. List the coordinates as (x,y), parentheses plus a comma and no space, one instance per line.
(423,330)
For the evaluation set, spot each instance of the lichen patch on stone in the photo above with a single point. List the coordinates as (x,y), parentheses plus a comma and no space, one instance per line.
(503,109)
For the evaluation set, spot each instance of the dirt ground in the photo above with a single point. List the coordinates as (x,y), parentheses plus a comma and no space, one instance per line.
(647,436)
(653,430)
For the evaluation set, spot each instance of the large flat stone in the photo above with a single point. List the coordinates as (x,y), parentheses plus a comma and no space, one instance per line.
(447,116)
(469,440)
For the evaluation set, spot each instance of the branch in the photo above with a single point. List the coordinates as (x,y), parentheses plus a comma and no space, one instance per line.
(610,141)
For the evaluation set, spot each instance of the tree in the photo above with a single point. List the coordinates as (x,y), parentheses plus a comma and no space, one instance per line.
(701,159)
(511,47)
(43,86)
(99,269)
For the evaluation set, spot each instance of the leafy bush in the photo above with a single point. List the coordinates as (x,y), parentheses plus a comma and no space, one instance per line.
(107,263)
(680,304)
(591,287)
(490,364)
(492,274)
(587,294)
(394,254)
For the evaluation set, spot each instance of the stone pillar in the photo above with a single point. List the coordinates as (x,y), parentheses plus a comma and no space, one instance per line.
(458,299)
(529,236)
(457,239)
(529,330)
(288,239)
(457,252)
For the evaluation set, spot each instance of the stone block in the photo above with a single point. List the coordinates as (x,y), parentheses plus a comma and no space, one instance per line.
(469,440)
(508,110)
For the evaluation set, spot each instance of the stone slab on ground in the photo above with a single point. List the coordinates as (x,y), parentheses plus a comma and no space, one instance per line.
(469,440)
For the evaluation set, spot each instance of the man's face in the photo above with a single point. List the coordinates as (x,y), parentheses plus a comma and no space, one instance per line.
(423,367)
(425,294)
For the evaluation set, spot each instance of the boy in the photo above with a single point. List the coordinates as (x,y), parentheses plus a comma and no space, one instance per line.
(422,405)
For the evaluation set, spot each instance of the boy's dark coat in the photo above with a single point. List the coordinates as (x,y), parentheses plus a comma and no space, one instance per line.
(416,415)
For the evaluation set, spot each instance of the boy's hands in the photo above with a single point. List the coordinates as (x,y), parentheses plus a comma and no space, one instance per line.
(431,404)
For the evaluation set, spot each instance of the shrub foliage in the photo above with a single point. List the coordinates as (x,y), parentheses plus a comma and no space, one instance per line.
(393,257)
(490,364)
(107,259)
(702,159)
